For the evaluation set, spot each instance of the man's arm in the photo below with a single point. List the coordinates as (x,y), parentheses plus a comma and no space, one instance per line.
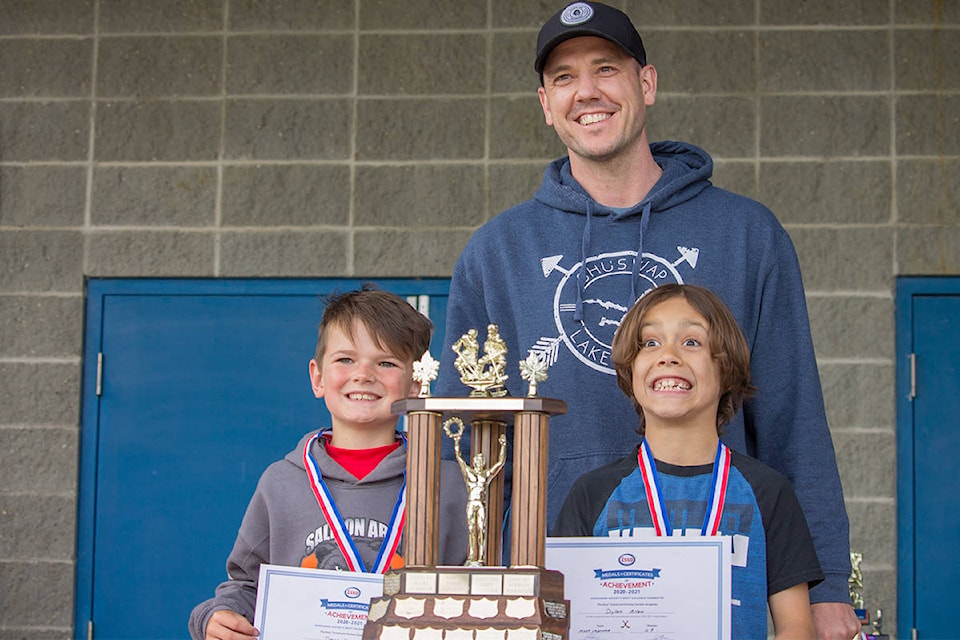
(786,422)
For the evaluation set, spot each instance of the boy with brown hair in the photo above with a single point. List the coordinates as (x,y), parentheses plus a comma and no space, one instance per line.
(337,500)
(681,358)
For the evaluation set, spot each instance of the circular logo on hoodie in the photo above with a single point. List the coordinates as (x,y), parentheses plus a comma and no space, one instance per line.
(576,13)
(604,298)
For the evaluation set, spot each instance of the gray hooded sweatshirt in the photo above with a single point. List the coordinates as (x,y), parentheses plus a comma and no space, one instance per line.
(284,524)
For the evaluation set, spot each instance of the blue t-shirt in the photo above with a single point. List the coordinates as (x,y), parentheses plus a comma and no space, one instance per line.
(772,548)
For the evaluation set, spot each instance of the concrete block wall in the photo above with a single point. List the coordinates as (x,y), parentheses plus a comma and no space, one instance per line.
(371,137)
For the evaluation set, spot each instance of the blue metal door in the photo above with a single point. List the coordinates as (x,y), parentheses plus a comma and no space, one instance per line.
(928,442)
(191,388)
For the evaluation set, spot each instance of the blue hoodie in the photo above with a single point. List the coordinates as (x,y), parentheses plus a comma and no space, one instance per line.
(558,272)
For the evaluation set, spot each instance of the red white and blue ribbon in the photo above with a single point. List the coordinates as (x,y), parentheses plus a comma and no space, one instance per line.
(658,510)
(339,529)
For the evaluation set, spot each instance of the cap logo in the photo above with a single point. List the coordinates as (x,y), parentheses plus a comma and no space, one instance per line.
(576,13)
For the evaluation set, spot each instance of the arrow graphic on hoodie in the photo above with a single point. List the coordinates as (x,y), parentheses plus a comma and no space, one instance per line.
(688,255)
(551,264)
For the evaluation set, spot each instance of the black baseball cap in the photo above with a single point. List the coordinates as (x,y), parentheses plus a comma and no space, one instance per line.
(589,19)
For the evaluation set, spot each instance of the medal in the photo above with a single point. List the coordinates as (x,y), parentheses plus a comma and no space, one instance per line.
(340,533)
(658,510)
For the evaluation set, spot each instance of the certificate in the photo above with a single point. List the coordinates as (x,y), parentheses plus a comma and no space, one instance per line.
(313,604)
(671,588)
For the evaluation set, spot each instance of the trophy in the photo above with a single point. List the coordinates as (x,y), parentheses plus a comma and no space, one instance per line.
(482,599)
(856,598)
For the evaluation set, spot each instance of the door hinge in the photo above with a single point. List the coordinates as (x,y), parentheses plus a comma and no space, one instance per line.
(913,376)
(89,629)
(99,372)
(913,634)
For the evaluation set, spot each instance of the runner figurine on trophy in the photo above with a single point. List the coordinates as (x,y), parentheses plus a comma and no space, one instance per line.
(477,477)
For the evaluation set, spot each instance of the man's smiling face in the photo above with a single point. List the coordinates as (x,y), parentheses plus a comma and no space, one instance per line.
(595,96)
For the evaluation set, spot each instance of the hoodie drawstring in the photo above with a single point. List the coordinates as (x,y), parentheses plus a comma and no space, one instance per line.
(582,274)
(635,273)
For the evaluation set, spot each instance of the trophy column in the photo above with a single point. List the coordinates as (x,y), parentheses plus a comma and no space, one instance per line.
(484,438)
(531,442)
(421,538)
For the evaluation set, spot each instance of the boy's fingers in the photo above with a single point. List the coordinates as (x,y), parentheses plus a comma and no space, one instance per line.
(229,625)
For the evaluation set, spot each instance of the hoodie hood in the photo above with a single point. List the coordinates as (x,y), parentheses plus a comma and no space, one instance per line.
(394,465)
(686,172)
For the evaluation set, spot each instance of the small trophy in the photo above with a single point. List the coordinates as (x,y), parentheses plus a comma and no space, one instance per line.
(482,599)
(856,598)
(425,371)
(534,371)
(856,586)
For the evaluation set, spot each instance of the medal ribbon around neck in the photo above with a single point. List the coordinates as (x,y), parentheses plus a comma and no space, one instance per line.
(658,510)
(340,533)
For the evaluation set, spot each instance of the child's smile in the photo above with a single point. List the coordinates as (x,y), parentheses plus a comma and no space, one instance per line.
(676,379)
(359,380)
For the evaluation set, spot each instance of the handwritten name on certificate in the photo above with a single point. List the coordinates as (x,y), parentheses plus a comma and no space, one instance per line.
(653,589)
(313,604)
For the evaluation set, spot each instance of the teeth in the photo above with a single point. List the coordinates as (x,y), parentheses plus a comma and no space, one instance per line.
(362,396)
(671,384)
(593,118)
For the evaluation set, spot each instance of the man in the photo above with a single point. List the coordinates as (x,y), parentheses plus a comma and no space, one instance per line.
(614,219)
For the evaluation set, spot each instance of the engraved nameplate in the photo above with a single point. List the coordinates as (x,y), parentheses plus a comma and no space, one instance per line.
(521,608)
(486,585)
(447,608)
(556,610)
(519,585)
(394,633)
(409,607)
(483,608)
(377,609)
(421,582)
(391,584)
(454,583)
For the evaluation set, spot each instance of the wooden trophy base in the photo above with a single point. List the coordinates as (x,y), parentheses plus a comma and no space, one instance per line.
(470,603)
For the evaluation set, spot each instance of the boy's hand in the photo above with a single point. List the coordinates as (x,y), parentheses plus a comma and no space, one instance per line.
(835,620)
(229,625)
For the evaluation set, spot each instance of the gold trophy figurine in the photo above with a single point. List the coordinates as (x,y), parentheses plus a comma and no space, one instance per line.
(477,478)
(484,374)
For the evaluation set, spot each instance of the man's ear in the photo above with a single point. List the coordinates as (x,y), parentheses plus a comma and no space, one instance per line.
(648,79)
(545,106)
(316,378)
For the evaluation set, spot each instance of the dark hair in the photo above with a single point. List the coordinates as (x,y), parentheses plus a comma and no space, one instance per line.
(392,322)
(727,346)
